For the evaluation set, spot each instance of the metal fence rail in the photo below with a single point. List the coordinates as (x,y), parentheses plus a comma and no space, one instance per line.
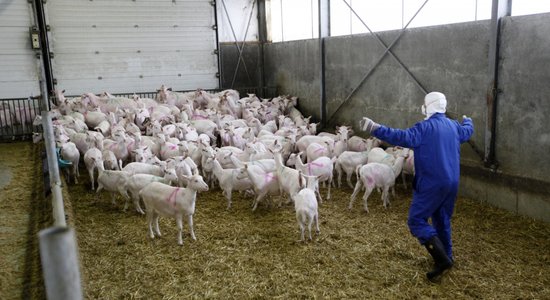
(16,117)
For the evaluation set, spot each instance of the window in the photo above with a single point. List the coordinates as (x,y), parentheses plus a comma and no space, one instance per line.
(298,19)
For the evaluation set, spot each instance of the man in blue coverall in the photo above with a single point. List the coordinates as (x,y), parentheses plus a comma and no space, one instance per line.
(436,144)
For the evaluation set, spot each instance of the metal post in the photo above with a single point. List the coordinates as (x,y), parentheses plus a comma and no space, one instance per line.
(501,8)
(44,45)
(262,37)
(218,50)
(324,31)
(55,181)
(60,266)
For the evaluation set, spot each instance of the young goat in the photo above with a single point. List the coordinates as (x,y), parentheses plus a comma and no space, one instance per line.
(305,205)
(164,200)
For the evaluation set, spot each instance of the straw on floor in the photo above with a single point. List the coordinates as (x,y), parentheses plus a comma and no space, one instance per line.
(244,254)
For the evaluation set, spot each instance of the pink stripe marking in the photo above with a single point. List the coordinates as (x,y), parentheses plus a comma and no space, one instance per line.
(172,198)
(319,150)
(268,177)
(201,117)
(311,165)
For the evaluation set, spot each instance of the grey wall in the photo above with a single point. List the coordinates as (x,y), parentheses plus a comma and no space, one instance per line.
(452,59)
(293,67)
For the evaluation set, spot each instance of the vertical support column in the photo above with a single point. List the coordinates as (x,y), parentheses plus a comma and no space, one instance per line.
(45,47)
(262,37)
(324,31)
(218,51)
(500,9)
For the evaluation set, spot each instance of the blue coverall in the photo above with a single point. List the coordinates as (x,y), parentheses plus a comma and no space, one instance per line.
(436,144)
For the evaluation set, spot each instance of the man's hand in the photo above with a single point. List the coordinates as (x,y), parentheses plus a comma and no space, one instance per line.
(464,118)
(368,125)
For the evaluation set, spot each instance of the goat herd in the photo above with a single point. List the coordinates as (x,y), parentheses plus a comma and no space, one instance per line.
(153,150)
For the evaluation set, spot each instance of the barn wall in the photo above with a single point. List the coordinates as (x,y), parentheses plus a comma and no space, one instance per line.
(229,54)
(293,67)
(452,59)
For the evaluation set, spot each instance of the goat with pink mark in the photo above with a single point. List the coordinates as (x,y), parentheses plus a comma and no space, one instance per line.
(378,175)
(264,183)
(137,182)
(358,144)
(306,140)
(117,146)
(268,164)
(316,150)
(306,207)
(322,167)
(175,202)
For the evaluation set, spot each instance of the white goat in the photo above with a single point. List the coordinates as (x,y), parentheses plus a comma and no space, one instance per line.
(264,183)
(113,181)
(347,162)
(93,159)
(316,150)
(229,180)
(145,168)
(164,200)
(70,153)
(378,175)
(289,179)
(306,207)
(138,181)
(322,167)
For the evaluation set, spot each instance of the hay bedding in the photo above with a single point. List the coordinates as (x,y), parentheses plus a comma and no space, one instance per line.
(22,215)
(243,254)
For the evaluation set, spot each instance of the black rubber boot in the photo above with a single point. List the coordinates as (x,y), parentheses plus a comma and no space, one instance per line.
(441,260)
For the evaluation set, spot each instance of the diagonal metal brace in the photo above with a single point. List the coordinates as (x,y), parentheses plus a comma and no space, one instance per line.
(386,47)
(367,75)
(241,48)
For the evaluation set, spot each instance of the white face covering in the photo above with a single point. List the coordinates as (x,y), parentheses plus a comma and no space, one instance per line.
(434,102)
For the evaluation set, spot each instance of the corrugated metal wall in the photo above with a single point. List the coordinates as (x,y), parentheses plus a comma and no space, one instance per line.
(19,67)
(132,46)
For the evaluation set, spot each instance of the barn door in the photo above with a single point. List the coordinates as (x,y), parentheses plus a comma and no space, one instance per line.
(19,67)
(124,46)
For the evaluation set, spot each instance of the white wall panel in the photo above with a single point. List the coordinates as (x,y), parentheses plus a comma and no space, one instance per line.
(19,70)
(132,46)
